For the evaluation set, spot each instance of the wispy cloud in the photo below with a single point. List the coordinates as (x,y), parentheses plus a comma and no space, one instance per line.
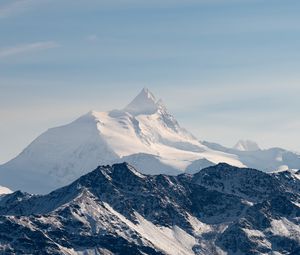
(13,7)
(92,38)
(16,6)
(24,48)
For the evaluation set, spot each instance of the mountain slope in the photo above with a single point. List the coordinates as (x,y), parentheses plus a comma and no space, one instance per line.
(143,133)
(117,210)
(268,160)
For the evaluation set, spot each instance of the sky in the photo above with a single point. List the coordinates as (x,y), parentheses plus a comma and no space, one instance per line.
(226,69)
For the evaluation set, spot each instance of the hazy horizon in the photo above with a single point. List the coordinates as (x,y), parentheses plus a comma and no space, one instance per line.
(227,70)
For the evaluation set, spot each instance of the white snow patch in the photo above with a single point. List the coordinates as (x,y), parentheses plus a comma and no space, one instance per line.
(198,226)
(283,168)
(254,233)
(137,173)
(173,241)
(286,228)
(4,190)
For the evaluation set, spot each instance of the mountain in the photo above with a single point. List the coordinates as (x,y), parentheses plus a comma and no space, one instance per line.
(118,210)
(144,134)
(290,179)
(246,145)
(268,160)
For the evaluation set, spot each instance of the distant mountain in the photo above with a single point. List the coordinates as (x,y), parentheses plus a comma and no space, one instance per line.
(268,160)
(246,145)
(118,210)
(144,134)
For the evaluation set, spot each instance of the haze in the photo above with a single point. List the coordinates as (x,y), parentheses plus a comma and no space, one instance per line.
(226,69)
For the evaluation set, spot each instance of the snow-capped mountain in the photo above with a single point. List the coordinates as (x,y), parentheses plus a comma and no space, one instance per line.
(144,134)
(118,210)
(246,145)
(268,160)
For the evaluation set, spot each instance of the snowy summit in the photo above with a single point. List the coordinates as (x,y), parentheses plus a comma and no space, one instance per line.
(246,145)
(143,134)
(143,103)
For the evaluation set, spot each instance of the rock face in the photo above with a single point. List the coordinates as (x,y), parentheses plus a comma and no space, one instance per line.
(118,210)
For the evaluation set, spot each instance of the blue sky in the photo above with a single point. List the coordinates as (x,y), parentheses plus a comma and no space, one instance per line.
(227,69)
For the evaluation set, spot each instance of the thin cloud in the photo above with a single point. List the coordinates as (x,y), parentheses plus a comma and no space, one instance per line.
(92,38)
(25,48)
(13,7)
(159,3)
(16,7)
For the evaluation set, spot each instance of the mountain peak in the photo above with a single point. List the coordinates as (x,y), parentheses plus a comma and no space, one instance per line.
(146,92)
(144,103)
(125,168)
(246,145)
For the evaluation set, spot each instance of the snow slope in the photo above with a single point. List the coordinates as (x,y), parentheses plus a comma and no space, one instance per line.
(268,160)
(142,132)
(4,190)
